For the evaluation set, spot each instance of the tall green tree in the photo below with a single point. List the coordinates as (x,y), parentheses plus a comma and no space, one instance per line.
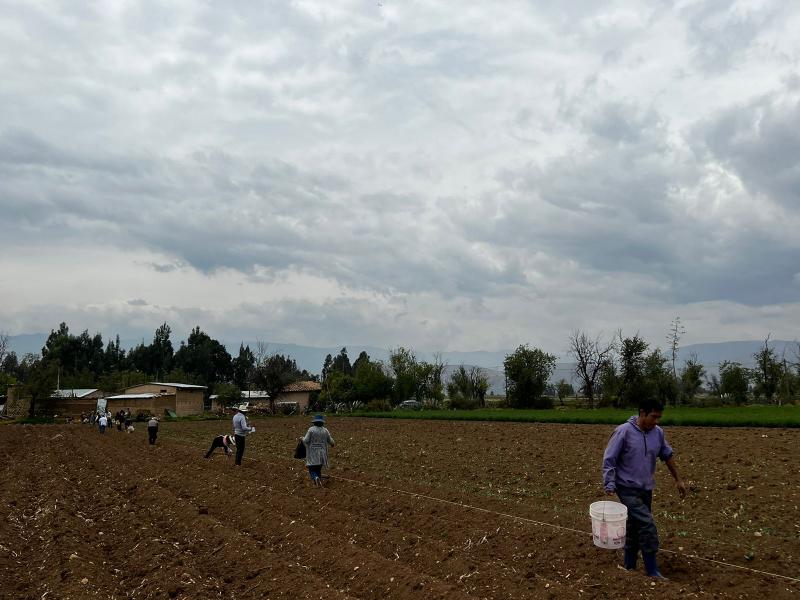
(161,351)
(371,382)
(527,371)
(243,367)
(767,372)
(609,384)
(115,359)
(338,388)
(734,381)
(229,393)
(564,389)
(659,380)
(403,366)
(71,354)
(39,383)
(274,373)
(467,388)
(326,367)
(341,363)
(363,358)
(204,358)
(430,388)
(632,361)
(691,379)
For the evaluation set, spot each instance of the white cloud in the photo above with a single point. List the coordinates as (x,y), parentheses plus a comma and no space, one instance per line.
(415,173)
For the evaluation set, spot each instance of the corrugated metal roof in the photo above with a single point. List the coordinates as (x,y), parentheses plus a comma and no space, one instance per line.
(255,394)
(177,385)
(73,393)
(132,396)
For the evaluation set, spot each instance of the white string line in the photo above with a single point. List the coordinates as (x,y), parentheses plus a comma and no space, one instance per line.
(543,524)
(462,505)
(526,520)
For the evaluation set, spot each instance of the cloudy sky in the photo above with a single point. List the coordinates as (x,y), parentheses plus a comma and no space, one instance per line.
(447,176)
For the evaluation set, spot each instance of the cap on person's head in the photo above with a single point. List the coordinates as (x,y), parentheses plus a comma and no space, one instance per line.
(318,419)
(241,408)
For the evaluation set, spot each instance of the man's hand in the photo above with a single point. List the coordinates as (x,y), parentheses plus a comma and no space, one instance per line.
(610,492)
(681,488)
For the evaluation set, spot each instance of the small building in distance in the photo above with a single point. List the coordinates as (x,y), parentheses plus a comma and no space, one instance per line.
(299,392)
(72,402)
(141,404)
(64,403)
(183,398)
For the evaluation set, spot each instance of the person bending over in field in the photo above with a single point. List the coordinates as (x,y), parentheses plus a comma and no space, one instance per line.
(629,466)
(222,441)
(152,430)
(317,439)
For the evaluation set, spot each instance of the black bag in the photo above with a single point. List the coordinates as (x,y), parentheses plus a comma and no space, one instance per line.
(300,451)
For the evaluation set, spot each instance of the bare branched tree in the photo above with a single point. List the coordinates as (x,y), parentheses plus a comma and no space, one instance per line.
(262,352)
(590,354)
(676,331)
(4,341)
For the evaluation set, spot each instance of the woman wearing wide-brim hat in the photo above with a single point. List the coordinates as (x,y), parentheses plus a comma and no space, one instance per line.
(317,439)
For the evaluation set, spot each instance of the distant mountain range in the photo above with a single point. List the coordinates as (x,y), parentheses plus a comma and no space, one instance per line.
(312,358)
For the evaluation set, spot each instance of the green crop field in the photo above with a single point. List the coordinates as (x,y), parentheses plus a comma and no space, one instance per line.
(741,416)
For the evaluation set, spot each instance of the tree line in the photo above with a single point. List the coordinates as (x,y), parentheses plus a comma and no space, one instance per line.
(621,370)
(617,371)
(72,361)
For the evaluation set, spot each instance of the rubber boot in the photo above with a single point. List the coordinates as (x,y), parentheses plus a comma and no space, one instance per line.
(651,565)
(631,558)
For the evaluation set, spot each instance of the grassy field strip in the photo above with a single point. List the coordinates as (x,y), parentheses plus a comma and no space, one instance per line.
(744,416)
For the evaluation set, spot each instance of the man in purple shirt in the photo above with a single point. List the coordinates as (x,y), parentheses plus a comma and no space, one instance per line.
(629,466)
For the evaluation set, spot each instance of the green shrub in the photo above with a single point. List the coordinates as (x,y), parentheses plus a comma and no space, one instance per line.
(464,403)
(376,405)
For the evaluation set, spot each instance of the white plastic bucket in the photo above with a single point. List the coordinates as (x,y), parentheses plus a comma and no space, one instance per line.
(608,524)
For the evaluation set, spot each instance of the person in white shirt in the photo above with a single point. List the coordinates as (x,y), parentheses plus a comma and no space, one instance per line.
(240,431)
(103,423)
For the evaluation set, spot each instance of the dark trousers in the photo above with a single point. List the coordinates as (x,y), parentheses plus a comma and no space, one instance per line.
(239,448)
(315,471)
(152,432)
(640,529)
(217,443)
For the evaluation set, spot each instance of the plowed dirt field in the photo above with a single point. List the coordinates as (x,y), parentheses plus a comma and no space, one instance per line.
(412,509)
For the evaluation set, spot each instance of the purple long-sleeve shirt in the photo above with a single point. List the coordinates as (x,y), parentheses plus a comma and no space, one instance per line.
(630,457)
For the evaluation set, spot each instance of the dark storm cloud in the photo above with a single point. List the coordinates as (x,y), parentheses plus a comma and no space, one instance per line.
(616,206)
(473,161)
(760,142)
(214,211)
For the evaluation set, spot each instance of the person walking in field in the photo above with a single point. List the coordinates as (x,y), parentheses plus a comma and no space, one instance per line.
(629,466)
(240,431)
(103,423)
(317,439)
(152,430)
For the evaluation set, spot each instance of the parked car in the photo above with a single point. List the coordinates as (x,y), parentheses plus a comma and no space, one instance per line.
(409,405)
